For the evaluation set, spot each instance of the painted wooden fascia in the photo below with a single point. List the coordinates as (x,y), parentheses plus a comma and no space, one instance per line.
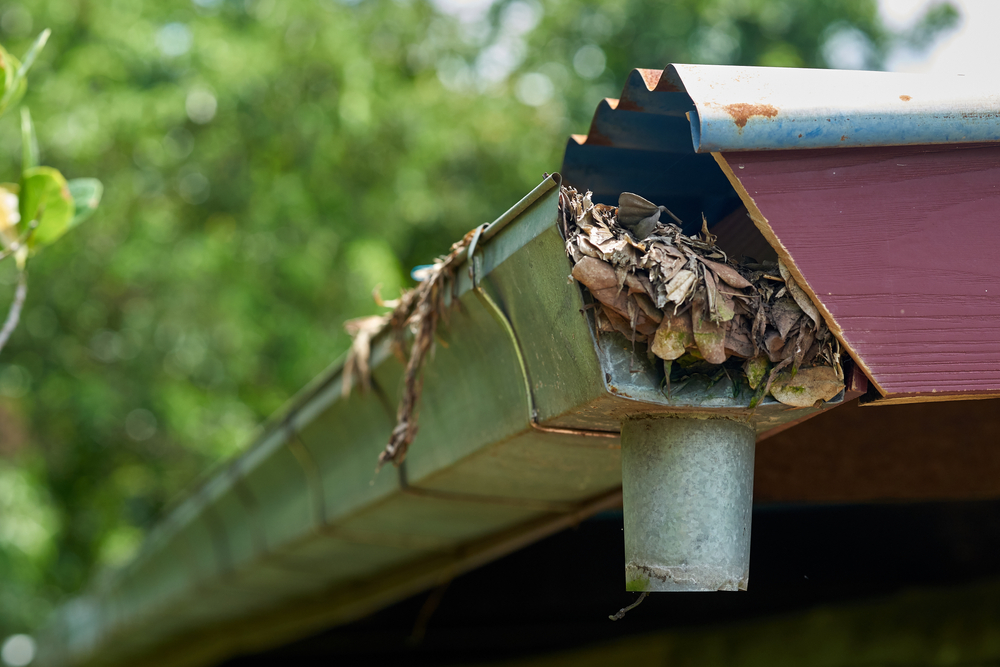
(899,248)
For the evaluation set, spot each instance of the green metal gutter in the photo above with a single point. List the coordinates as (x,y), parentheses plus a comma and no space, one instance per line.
(518,438)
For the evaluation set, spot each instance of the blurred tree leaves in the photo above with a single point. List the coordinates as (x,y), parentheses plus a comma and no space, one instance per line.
(266,164)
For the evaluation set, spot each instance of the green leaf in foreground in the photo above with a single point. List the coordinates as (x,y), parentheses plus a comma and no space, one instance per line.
(32,52)
(45,197)
(86,194)
(12,85)
(15,71)
(29,141)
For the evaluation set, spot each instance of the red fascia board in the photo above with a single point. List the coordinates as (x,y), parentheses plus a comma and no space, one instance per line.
(900,248)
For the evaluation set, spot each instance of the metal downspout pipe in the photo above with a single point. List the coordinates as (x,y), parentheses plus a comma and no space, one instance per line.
(687,485)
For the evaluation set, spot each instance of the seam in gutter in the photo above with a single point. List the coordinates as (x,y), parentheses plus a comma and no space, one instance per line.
(246,498)
(501,317)
(550,506)
(314,476)
(576,431)
(220,541)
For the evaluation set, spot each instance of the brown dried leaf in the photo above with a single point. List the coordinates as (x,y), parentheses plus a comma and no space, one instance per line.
(785,314)
(600,278)
(727,306)
(648,309)
(599,234)
(726,273)
(756,370)
(602,281)
(738,343)
(674,336)
(602,321)
(774,346)
(708,336)
(720,308)
(622,326)
(587,248)
(738,304)
(632,209)
(638,283)
(362,330)
(817,383)
(680,286)
(805,303)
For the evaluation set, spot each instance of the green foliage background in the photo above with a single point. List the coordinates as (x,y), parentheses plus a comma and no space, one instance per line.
(266,164)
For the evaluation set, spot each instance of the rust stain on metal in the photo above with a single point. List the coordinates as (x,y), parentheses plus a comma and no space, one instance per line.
(618,392)
(651,77)
(629,105)
(843,137)
(743,112)
(905,98)
(596,138)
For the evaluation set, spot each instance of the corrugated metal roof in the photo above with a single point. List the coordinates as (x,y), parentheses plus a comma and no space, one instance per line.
(656,139)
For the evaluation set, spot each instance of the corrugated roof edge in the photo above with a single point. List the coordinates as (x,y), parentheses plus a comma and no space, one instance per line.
(771,108)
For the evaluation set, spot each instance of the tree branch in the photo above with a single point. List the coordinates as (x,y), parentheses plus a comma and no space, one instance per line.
(14,314)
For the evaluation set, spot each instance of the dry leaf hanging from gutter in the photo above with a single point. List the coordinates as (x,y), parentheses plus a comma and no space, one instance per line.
(417,311)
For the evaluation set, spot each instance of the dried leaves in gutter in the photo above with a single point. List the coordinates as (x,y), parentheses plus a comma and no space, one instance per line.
(685,299)
(417,311)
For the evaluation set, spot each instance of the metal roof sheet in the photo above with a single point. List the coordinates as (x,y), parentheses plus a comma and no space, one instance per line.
(763,108)
(655,139)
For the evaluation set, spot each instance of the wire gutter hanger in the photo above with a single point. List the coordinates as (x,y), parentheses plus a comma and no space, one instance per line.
(765,108)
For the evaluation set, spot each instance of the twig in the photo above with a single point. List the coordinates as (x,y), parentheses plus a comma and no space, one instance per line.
(14,314)
(624,610)
(424,616)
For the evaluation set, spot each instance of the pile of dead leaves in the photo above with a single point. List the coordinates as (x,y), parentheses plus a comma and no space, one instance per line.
(685,299)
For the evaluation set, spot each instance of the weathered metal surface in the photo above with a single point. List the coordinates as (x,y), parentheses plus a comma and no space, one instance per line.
(687,488)
(770,108)
(720,108)
(641,143)
(898,246)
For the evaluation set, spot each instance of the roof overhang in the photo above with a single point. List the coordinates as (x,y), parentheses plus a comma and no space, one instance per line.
(877,190)
(299,534)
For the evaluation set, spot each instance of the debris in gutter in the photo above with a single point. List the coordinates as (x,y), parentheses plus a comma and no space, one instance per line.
(693,307)
(620,614)
(417,312)
(681,296)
